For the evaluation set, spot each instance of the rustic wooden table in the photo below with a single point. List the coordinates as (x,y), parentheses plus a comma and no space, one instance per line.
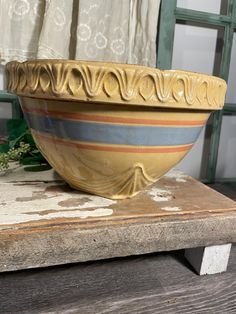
(43,222)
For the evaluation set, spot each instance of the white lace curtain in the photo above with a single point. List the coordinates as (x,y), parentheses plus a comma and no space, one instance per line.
(103,30)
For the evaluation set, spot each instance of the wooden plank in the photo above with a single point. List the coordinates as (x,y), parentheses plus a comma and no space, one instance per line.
(44,222)
(154,283)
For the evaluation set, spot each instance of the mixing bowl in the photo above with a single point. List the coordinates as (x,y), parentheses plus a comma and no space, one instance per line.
(112,129)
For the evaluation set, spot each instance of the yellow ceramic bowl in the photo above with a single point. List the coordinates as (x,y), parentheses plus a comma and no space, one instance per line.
(112,129)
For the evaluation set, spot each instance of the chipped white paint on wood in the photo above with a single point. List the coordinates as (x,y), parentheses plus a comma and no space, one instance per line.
(171,209)
(209,260)
(21,202)
(99,212)
(160,195)
(177,175)
(30,197)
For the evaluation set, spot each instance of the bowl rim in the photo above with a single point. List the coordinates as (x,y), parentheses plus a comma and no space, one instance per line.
(133,84)
(126,65)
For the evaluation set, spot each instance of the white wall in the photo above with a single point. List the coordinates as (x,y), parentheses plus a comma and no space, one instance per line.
(194,50)
(212,6)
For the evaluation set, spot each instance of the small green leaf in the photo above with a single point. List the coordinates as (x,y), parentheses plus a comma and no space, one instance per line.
(38,168)
(29,139)
(16,128)
(21,147)
(33,160)
(4,148)
(15,141)
(35,152)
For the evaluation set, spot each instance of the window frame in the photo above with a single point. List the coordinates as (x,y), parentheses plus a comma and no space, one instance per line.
(169,15)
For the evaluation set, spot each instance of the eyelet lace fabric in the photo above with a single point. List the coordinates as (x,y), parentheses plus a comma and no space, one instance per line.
(103,30)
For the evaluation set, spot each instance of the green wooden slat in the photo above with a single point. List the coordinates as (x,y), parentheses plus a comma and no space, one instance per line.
(214,147)
(229,108)
(7,97)
(203,17)
(16,110)
(230,8)
(226,180)
(13,100)
(166,34)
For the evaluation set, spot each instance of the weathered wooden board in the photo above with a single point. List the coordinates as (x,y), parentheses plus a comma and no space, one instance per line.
(157,283)
(44,222)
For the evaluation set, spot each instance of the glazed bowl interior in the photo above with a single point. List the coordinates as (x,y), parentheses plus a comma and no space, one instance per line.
(113,129)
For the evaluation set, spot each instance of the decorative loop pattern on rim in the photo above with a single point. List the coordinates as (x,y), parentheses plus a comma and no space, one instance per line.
(115,83)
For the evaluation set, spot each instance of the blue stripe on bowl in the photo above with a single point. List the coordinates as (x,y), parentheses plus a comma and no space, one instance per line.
(113,133)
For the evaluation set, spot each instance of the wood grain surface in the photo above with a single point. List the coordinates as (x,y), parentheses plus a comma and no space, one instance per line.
(43,222)
(43,200)
(158,283)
